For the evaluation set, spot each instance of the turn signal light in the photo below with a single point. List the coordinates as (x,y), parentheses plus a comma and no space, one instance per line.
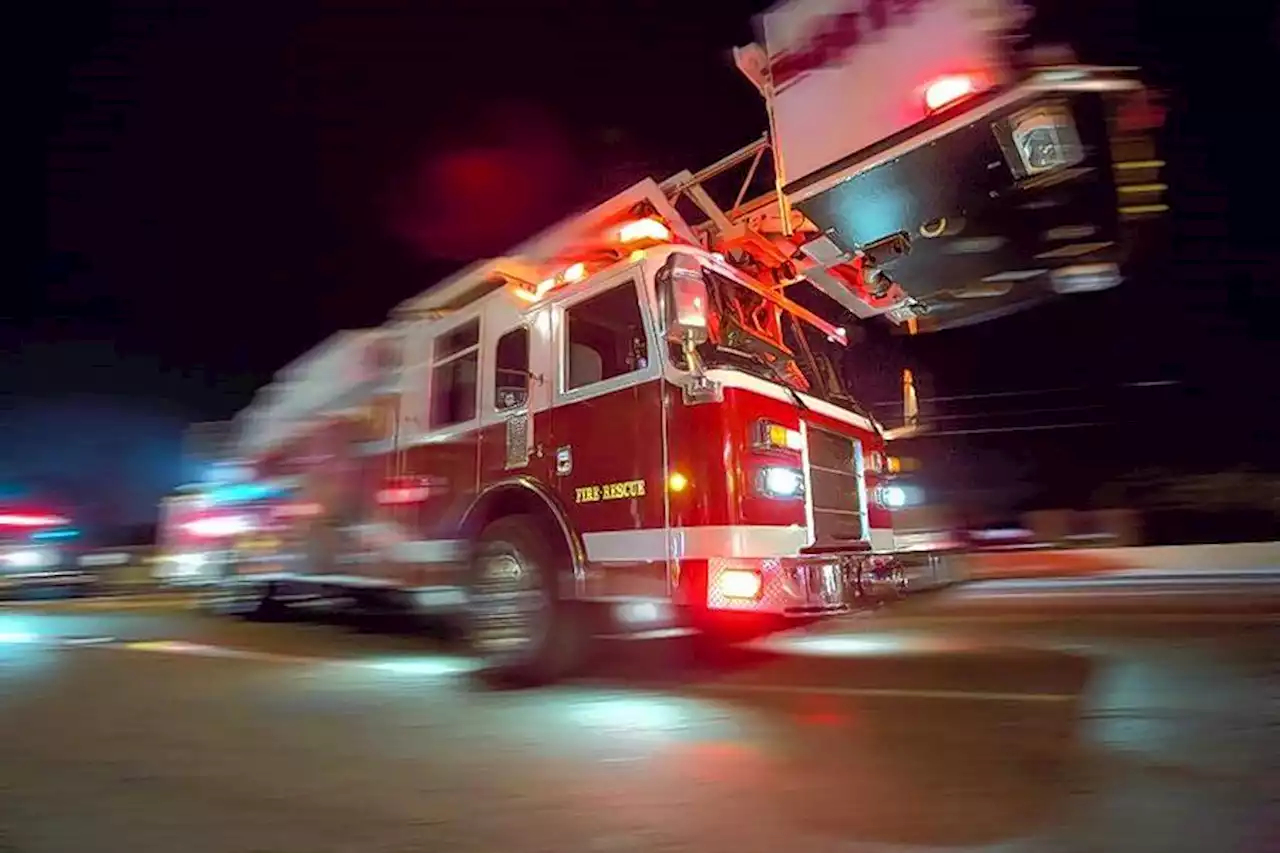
(879,463)
(771,436)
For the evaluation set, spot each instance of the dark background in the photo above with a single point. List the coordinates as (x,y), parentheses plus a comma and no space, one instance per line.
(202,190)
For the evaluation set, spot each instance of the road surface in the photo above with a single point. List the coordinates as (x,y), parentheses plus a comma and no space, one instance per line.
(1006,717)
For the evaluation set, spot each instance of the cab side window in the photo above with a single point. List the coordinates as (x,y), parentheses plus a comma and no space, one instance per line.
(605,337)
(455,359)
(511,370)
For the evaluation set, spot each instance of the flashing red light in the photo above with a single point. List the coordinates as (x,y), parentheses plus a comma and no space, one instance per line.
(24,520)
(947,90)
(402,496)
(740,584)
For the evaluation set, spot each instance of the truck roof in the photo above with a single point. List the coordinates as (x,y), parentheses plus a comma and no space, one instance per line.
(317,379)
(527,262)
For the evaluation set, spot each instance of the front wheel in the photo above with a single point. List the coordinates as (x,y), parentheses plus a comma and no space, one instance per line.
(522,630)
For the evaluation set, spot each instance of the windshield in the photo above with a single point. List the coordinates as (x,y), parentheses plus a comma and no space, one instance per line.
(751,334)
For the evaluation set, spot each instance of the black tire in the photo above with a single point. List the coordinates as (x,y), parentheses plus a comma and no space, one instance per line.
(524,633)
(231,596)
(266,604)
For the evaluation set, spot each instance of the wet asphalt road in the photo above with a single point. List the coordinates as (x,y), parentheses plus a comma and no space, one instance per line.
(1019,716)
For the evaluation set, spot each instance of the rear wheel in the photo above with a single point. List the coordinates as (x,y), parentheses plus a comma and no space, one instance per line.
(517,623)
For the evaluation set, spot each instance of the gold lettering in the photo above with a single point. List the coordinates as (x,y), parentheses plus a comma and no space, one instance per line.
(609,492)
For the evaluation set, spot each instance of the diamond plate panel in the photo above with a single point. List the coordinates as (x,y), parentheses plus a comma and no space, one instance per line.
(518,441)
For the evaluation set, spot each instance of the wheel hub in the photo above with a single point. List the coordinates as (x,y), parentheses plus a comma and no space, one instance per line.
(508,606)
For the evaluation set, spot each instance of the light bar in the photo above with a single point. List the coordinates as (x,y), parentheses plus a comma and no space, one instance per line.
(947,90)
(644,229)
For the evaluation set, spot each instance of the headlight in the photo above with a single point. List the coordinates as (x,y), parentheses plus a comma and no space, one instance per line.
(780,482)
(30,558)
(1040,139)
(891,497)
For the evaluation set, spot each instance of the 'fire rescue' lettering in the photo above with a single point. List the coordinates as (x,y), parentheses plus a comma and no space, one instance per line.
(609,492)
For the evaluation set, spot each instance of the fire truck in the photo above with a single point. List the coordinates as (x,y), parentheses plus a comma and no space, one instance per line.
(203,525)
(640,419)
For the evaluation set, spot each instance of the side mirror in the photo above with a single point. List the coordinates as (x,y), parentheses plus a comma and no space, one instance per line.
(683,300)
(910,402)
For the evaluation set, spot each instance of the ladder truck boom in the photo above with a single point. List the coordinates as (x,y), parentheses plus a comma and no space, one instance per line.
(925,170)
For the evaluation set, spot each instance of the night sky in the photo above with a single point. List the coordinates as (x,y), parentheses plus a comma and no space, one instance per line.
(204,189)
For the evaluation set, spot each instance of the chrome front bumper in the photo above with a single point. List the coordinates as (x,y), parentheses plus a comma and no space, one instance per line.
(827,583)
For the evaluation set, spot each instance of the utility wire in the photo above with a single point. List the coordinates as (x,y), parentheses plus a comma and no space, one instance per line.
(926,433)
(1013,414)
(1030,392)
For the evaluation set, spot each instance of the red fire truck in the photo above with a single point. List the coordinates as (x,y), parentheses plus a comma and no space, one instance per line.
(639,420)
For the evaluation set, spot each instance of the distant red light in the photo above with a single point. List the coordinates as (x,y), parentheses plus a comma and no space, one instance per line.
(32,520)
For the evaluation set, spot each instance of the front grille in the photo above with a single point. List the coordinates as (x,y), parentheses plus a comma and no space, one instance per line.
(835,491)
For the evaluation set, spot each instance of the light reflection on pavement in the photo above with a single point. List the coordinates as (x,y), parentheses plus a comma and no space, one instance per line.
(169,731)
